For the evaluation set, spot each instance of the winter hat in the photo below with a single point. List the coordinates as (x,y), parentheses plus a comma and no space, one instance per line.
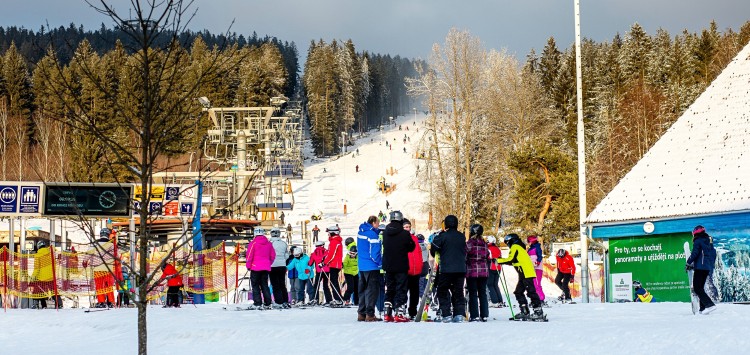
(353,251)
(451,222)
(698,230)
(349,240)
(406,221)
(532,239)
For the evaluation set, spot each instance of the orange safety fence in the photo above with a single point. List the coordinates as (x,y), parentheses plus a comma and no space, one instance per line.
(98,272)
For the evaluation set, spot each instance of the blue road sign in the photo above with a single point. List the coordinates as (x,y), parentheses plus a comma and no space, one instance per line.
(154,208)
(173,193)
(8,199)
(136,207)
(29,202)
(186,209)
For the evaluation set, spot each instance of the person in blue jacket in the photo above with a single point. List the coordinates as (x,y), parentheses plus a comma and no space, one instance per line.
(641,295)
(305,275)
(702,260)
(369,261)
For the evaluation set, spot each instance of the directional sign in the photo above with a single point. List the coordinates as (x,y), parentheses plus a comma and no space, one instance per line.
(186,209)
(136,207)
(154,208)
(172,193)
(171,208)
(30,199)
(8,199)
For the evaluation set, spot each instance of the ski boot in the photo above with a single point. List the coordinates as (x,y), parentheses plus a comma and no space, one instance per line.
(401,315)
(458,319)
(472,320)
(523,314)
(388,308)
(538,315)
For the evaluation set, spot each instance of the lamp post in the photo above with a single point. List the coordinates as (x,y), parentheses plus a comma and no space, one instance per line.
(581,162)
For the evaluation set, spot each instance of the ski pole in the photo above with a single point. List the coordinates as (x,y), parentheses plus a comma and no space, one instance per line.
(330,285)
(236,292)
(504,282)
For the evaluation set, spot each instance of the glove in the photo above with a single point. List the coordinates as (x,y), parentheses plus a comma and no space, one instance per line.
(688,267)
(572,279)
(321,265)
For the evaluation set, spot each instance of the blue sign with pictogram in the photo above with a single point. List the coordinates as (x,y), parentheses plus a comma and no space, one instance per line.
(186,209)
(154,208)
(8,199)
(30,199)
(172,193)
(136,207)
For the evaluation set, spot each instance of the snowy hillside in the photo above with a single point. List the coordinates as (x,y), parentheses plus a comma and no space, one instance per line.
(330,183)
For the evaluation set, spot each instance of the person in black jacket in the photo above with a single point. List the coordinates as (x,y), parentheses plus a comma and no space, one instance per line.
(451,247)
(397,244)
(702,259)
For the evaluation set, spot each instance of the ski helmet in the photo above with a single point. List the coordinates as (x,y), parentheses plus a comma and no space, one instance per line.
(259,231)
(636,284)
(349,240)
(476,230)
(511,239)
(353,252)
(420,237)
(450,222)
(275,232)
(561,253)
(320,243)
(532,239)
(297,251)
(41,244)
(397,216)
(491,239)
(333,229)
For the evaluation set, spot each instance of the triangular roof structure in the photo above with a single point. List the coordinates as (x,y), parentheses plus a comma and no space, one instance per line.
(701,165)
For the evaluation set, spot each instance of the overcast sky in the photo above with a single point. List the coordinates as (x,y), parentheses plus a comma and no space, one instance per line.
(410,27)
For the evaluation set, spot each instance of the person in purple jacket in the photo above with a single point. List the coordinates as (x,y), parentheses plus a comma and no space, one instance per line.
(260,255)
(535,253)
(477,272)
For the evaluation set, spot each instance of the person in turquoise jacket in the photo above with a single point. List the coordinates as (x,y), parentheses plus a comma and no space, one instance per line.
(351,272)
(305,274)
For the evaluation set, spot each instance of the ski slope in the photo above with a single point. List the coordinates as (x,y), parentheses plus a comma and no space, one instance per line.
(623,328)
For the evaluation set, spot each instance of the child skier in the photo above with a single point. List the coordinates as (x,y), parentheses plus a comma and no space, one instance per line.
(520,260)
(535,253)
(351,271)
(316,259)
(641,295)
(300,264)
(496,297)
(566,270)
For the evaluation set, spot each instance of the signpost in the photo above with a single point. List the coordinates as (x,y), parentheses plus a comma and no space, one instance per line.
(90,200)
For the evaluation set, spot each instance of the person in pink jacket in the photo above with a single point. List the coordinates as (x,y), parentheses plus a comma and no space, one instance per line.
(260,256)
(535,253)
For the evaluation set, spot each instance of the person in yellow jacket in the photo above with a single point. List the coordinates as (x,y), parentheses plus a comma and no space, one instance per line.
(519,258)
(41,277)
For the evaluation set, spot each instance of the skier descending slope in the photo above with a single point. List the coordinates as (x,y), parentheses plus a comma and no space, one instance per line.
(520,260)
(702,260)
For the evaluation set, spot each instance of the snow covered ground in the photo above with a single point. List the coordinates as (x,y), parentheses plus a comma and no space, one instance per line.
(659,328)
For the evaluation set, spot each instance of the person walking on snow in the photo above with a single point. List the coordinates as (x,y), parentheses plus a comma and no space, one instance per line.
(566,270)
(397,243)
(351,272)
(260,256)
(334,260)
(477,272)
(496,297)
(321,270)
(535,253)
(702,259)
(278,269)
(451,247)
(369,262)
(174,284)
(519,258)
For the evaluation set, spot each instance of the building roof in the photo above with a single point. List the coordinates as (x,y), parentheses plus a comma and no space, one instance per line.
(701,164)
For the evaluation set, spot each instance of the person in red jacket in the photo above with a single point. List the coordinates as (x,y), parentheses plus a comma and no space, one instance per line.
(321,270)
(174,284)
(496,297)
(415,270)
(335,261)
(566,270)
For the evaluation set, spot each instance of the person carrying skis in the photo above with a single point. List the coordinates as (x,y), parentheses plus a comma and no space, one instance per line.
(535,253)
(519,258)
(496,297)
(333,261)
(415,272)
(477,271)
(321,270)
(702,259)
(300,264)
(566,270)
(397,243)
(351,272)
(278,270)
(260,255)
(369,262)
(451,245)
(641,295)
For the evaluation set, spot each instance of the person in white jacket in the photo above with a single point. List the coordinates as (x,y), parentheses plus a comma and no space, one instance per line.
(278,270)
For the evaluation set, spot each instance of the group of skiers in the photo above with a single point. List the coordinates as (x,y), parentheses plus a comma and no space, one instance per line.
(386,269)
